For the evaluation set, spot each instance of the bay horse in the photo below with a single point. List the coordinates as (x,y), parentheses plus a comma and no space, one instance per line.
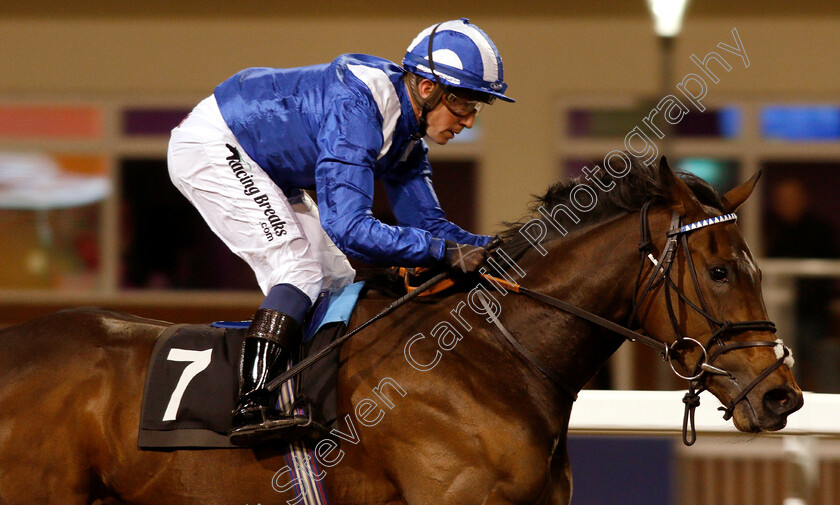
(435,406)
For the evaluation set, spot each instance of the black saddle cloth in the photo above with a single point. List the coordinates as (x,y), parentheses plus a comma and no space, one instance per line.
(192,385)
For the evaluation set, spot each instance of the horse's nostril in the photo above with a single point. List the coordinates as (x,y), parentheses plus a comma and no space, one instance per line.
(781,400)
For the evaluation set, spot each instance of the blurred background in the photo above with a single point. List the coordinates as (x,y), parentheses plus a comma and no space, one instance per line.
(90,89)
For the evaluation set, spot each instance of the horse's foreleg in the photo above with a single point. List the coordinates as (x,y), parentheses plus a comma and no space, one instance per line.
(561,476)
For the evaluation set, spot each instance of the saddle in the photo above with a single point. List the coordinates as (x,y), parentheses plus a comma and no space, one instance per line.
(192,379)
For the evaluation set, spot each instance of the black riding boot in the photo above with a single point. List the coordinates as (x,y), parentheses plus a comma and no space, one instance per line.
(271,338)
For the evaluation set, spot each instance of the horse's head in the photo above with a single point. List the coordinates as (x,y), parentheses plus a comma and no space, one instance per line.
(702,298)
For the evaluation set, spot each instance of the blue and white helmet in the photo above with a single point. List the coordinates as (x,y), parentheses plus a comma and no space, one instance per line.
(463,56)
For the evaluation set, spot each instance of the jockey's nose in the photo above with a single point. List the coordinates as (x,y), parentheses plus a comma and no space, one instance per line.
(467,122)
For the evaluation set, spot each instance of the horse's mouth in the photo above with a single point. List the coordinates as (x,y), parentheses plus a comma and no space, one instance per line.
(756,425)
(764,409)
(781,423)
(772,415)
(747,420)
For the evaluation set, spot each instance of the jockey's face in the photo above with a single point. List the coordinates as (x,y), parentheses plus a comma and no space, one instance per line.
(441,124)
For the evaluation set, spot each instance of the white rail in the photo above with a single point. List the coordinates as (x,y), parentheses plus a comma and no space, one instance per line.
(661,412)
(801,444)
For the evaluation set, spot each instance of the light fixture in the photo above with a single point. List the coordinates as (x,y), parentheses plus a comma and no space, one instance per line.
(667,16)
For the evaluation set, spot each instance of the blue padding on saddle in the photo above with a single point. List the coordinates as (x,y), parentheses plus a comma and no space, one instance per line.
(330,307)
(236,325)
(339,303)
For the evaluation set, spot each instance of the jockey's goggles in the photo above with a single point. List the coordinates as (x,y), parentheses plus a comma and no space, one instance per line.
(461,106)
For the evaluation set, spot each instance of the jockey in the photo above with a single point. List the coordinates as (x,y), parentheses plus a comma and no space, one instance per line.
(244,154)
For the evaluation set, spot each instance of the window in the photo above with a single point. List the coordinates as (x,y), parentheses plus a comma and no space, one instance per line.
(801,123)
(605,122)
(721,174)
(151,121)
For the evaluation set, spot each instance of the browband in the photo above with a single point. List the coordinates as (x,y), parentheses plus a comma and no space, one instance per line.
(702,224)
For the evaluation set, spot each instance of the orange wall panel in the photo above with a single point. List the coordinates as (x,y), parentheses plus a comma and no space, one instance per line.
(32,121)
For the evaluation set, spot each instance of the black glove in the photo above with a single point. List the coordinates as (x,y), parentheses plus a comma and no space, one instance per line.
(464,258)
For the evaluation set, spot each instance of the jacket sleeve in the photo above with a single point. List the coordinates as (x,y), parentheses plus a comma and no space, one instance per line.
(415,203)
(350,140)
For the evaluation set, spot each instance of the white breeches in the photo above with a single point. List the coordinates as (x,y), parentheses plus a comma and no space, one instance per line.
(278,235)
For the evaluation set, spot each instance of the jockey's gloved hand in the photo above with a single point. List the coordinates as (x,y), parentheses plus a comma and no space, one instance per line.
(464,258)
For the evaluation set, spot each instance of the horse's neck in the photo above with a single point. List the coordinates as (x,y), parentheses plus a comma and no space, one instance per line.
(594,270)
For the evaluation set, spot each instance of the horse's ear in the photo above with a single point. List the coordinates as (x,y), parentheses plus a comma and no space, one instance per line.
(676,191)
(739,194)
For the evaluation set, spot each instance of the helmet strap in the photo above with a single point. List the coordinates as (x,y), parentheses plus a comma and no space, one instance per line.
(421,125)
(431,60)
(431,101)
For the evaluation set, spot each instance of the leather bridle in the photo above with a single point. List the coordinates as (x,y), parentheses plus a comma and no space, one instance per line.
(661,274)
(721,328)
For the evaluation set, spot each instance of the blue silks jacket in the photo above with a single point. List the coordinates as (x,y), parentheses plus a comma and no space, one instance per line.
(337,127)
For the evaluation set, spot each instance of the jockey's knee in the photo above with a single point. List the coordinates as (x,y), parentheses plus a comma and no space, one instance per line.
(289,300)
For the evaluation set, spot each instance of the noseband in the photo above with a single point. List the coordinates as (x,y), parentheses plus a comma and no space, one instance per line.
(661,274)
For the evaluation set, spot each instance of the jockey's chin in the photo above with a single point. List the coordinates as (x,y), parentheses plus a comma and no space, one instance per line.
(442,125)
(441,137)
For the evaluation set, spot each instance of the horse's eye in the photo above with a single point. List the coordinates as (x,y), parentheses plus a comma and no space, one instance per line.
(718,274)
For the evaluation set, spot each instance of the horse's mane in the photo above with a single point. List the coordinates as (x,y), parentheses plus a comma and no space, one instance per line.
(631,192)
(640,185)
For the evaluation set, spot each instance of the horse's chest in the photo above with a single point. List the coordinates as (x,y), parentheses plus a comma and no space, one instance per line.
(518,467)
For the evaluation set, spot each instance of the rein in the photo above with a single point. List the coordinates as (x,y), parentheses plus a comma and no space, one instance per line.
(676,236)
(661,272)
